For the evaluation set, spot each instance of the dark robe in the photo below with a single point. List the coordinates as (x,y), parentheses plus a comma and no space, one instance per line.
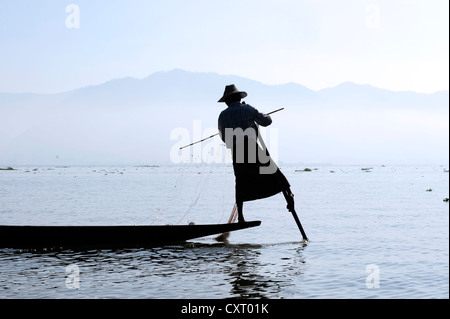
(258,177)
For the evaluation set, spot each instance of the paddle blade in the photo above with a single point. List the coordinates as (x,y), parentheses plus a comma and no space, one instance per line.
(223,237)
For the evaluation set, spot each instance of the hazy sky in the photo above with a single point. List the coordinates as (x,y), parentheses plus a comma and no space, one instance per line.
(53,46)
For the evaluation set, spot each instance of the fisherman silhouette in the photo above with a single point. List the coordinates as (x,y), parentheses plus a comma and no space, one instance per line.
(256,174)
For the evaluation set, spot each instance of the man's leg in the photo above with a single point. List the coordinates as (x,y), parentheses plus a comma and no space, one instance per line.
(289,199)
(240,212)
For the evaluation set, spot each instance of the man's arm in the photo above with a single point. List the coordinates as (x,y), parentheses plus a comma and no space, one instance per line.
(261,118)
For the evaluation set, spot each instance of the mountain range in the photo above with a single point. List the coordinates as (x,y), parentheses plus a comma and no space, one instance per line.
(131,121)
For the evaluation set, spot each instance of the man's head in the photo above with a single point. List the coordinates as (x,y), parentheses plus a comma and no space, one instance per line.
(236,97)
(232,94)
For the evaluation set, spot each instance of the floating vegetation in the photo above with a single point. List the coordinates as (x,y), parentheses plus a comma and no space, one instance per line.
(304,170)
(9,168)
(367,169)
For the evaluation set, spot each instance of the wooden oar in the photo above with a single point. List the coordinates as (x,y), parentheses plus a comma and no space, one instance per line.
(290,200)
(299,225)
(232,219)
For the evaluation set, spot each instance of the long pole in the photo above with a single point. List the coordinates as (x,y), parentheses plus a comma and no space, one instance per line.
(299,225)
(207,138)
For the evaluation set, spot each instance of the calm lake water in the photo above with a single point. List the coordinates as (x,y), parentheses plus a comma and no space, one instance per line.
(375,231)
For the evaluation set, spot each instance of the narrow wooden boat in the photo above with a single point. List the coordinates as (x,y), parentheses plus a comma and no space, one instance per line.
(108,236)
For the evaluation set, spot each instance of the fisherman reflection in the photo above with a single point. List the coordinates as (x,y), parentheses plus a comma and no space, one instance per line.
(245,281)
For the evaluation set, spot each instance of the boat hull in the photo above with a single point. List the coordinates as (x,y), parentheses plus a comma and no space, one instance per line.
(108,236)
